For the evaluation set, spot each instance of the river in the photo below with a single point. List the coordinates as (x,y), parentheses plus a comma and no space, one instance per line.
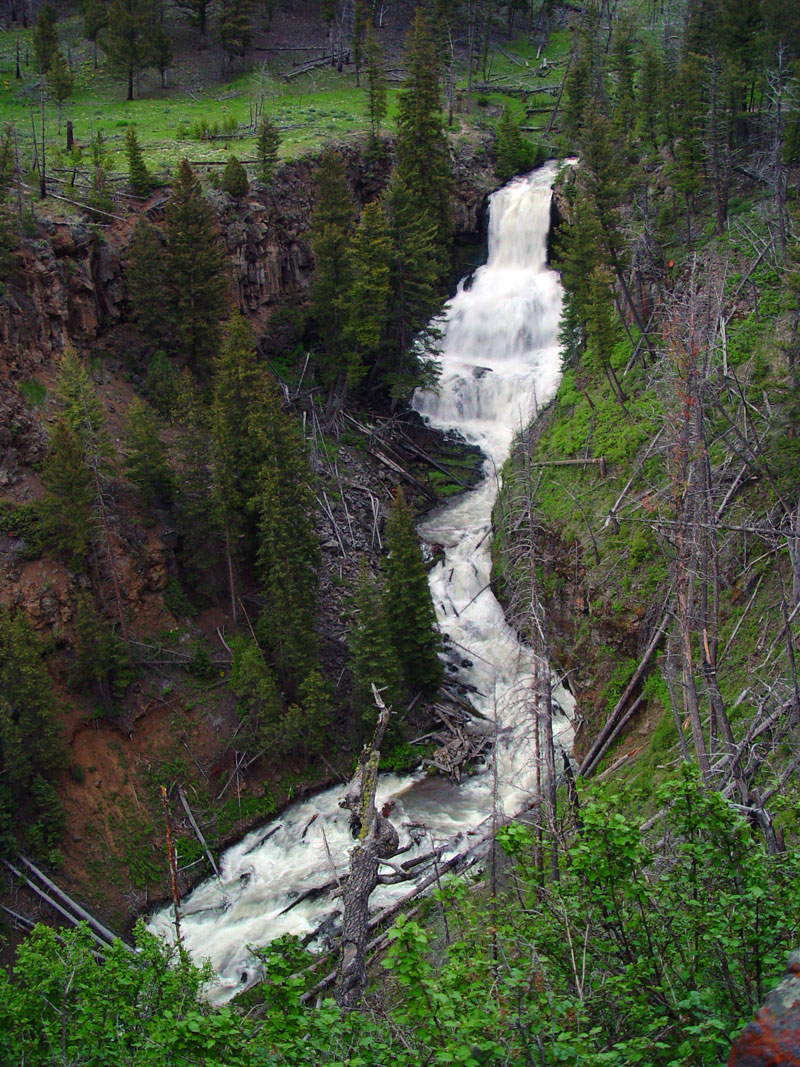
(500,357)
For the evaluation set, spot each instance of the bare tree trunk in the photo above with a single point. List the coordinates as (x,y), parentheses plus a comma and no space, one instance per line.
(377,840)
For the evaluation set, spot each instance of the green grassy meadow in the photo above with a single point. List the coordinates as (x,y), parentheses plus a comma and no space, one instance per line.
(205,119)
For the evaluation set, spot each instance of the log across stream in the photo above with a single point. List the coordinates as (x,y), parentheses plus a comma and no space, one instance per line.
(499,359)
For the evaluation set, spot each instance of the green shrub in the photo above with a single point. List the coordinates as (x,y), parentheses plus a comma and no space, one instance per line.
(234,178)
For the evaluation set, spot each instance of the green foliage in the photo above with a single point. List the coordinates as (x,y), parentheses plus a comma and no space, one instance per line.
(409,609)
(67,518)
(102,661)
(161,382)
(671,948)
(138,174)
(513,154)
(197,517)
(258,700)
(34,392)
(79,455)
(128,40)
(423,159)
(267,145)
(45,38)
(195,278)
(234,178)
(233,31)
(376,83)
(374,659)
(31,743)
(330,231)
(288,549)
(25,521)
(95,20)
(146,464)
(60,81)
(365,302)
(146,269)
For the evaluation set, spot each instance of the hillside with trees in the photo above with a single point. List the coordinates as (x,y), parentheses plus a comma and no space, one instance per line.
(226,232)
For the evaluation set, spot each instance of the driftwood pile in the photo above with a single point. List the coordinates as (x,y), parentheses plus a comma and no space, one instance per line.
(462,738)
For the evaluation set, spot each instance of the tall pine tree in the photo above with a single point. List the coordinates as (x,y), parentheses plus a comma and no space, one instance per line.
(423,157)
(331,227)
(195,270)
(288,552)
(409,608)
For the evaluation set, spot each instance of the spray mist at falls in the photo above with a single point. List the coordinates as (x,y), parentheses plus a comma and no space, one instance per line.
(500,358)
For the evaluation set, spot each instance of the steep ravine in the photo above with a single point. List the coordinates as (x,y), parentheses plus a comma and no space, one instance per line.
(69,289)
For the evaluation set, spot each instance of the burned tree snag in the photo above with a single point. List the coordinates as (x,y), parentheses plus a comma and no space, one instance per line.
(377,839)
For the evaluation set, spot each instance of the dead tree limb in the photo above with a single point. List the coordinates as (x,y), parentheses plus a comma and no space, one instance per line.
(602,740)
(377,839)
(198,833)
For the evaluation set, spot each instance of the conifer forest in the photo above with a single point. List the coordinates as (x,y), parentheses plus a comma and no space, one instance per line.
(399,533)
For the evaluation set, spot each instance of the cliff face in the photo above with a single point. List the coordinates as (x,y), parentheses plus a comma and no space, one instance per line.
(69,286)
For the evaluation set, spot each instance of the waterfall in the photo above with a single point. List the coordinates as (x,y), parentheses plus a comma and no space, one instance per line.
(499,356)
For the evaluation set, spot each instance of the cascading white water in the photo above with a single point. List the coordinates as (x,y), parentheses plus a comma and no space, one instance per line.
(499,358)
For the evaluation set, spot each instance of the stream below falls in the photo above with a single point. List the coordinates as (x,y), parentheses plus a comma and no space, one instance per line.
(500,358)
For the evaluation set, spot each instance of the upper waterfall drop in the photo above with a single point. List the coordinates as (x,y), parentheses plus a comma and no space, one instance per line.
(499,348)
(499,357)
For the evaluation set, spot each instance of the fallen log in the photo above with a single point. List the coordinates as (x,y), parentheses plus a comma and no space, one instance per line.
(86,916)
(602,740)
(198,833)
(71,919)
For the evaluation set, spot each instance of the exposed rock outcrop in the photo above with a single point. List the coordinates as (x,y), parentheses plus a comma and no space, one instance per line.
(69,285)
(773,1037)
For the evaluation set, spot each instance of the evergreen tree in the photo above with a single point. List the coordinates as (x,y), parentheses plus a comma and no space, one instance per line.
(234,178)
(102,660)
(583,81)
(201,543)
(288,554)
(237,405)
(32,748)
(267,144)
(509,147)
(415,299)
(601,320)
(161,51)
(623,66)
(409,608)
(73,471)
(579,250)
(649,99)
(374,659)
(31,741)
(196,12)
(7,159)
(128,38)
(60,82)
(146,272)
(423,158)
(331,226)
(45,38)
(95,20)
(67,518)
(138,174)
(233,32)
(689,151)
(258,700)
(195,270)
(360,23)
(376,84)
(146,463)
(365,303)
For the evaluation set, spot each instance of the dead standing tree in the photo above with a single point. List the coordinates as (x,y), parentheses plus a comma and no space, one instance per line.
(377,840)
